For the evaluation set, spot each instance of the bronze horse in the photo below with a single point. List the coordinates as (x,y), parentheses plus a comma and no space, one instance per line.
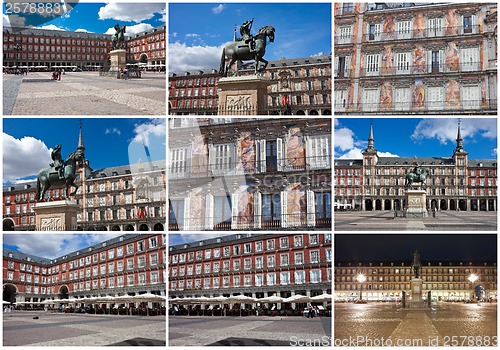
(239,51)
(48,177)
(420,177)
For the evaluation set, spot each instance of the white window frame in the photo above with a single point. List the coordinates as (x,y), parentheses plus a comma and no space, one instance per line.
(372,64)
(404,30)
(435,27)
(469,59)
(340,100)
(318,151)
(371,99)
(221,158)
(432,102)
(466,100)
(345,35)
(402,98)
(402,62)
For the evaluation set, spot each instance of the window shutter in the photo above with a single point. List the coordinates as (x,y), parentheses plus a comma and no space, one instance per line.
(439,27)
(311,210)
(347,71)
(461,24)
(337,64)
(211,158)
(279,154)
(442,65)
(429,61)
(234,210)
(378,31)
(209,212)
(262,155)
(257,200)
(187,211)
(284,216)
(310,156)
(474,24)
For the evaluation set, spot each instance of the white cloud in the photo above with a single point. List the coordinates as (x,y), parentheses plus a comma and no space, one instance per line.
(131,30)
(175,239)
(55,245)
(218,9)
(343,139)
(131,12)
(494,152)
(354,153)
(113,131)
(52,27)
(151,135)
(23,157)
(82,30)
(164,15)
(386,154)
(445,129)
(185,58)
(13,21)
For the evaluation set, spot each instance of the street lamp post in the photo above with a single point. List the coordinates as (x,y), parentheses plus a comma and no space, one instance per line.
(361,278)
(473,278)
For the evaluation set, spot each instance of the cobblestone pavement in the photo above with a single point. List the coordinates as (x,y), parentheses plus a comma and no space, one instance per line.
(446,324)
(84,93)
(444,221)
(53,329)
(251,330)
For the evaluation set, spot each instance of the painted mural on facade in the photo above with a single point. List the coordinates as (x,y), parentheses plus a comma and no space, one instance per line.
(452,56)
(352,67)
(418,95)
(419,25)
(386,96)
(387,60)
(245,208)
(246,151)
(197,210)
(294,149)
(419,64)
(296,201)
(451,22)
(388,32)
(453,94)
(199,155)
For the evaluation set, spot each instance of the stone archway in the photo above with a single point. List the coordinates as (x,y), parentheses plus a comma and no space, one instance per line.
(434,204)
(313,112)
(397,204)
(453,205)
(9,293)
(300,112)
(143,227)
(378,204)
(443,205)
(115,228)
(491,205)
(327,112)
(482,205)
(473,205)
(387,204)
(63,292)
(8,225)
(143,58)
(158,227)
(462,205)
(130,228)
(368,205)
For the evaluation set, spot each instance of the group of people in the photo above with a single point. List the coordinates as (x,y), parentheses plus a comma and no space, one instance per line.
(312,311)
(56,75)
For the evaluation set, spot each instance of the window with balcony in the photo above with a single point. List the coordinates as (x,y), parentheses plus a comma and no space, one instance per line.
(178,161)
(435,27)
(374,32)
(372,64)
(402,99)
(340,100)
(404,30)
(469,59)
(471,96)
(402,62)
(345,35)
(370,100)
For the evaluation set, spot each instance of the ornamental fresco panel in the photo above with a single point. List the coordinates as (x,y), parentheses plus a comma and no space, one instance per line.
(386,96)
(387,60)
(295,151)
(419,25)
(451,56)
(418,95)
(296,201)
(451,22)
(388,32)
(419,64)
(453,94)
(245,207)
(199,155)
(246,151)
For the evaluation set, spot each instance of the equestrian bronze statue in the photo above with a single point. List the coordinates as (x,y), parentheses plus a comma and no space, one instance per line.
(60,173)
(416,264)
(417,176)
(247,48)
(118,41)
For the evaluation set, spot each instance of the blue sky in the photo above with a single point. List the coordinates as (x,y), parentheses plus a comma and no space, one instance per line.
(179,238)
(408,137)
(53,245)
(302,30)
(27,142)
(98,17)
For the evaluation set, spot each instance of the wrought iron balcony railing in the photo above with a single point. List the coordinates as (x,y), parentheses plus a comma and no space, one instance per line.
(300,220)
(433,68)
(180,170)
(411,107)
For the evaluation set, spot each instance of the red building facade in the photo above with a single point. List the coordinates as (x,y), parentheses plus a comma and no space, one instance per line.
(128,264)
(256,265)
(148,47)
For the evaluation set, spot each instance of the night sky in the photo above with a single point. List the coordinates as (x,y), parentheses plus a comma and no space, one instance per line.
(365,247)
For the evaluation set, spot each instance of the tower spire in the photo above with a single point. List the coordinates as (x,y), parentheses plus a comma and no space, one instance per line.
(459,137)
(370,137)
(80,147)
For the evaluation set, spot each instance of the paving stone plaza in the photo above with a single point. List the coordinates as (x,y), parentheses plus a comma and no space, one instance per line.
(84,93)
(61,329)
(445,324)
(444,221)
(252,330)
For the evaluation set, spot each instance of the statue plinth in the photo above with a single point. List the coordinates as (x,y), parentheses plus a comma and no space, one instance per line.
(416,293)
(118,59)
(244,95)
(56,215)
(416,204)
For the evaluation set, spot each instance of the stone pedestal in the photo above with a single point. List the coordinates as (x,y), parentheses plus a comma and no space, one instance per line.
(56,216)
(245,95)
(416,204)
(118,59)
(416,293)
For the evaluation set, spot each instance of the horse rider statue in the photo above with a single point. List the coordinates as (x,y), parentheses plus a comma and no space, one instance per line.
(246,36)
(416,170)
(58,161)
(416,264)
(119,37)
